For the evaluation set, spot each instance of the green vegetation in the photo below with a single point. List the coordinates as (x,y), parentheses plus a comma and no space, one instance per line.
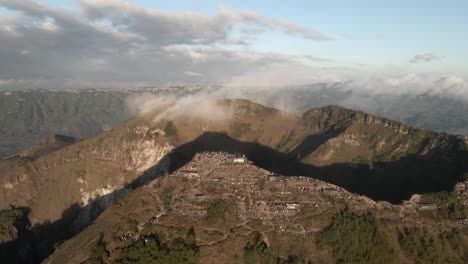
(167,198)
(448,204)
(98,253)
(240,129)
(457,210)
(29,117)
(439,198)
(123,200)
(461,146)
(170,130)
(258,252)
(426,247)
(357,239)
(8,218)
(152,251)
(359,160)
(285,139)
(417,137)
(216,209)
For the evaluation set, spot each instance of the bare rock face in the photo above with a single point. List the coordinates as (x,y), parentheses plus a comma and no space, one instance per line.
(100,166)
(92,170)
(71,186)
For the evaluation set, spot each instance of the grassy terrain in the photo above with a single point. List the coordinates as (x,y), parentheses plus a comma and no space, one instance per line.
(167,199)
(170,130)
(448,203)
(8,218)
(152,251)
(358,239)
(426,247)
(215,210)
(240,129)
(285,139)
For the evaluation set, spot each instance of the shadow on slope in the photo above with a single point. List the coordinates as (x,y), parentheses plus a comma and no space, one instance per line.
(313,142)
(33,244)
(392,181)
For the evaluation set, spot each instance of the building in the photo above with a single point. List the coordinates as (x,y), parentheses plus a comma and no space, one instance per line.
(275,177)
(218,180)
(239,159)
(200,197)
(292,206)
(330,190)
(424,207)
(461,221)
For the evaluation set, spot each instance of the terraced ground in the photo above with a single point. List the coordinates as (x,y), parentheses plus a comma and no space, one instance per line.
(65,190)
(239,213)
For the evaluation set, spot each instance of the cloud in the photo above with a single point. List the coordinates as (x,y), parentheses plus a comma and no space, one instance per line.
(191,73)
(200,105)
(425,57)
(118,44)
(115,43)
(248,17)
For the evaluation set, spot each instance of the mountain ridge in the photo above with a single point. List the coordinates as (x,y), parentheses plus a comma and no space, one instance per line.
(118,160)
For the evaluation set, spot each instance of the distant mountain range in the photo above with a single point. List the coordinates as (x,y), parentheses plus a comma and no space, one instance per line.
(59,193)
(432,112)
(27,117)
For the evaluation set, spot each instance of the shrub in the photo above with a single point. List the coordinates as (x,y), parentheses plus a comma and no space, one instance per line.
(167,198)
(98,253)
(216,209)
(240,129)
(258,252)
(9,218)
(426,247)
(151,250)
(357,239)
(285,139)
(170,130)
(439,198)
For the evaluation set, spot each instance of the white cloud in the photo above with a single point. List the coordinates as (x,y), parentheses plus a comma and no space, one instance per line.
(115,42)
(191,73)
(425,57)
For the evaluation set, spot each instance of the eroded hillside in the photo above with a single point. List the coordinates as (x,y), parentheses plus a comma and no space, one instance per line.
(362,153)
(221,208)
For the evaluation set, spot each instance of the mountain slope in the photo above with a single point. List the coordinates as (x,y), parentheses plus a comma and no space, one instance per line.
(27,117)
(363,153)
(234,208)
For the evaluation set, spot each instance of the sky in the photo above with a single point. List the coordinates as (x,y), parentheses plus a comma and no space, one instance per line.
(384,45)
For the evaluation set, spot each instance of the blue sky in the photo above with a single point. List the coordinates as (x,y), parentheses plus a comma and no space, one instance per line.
(375,34)
(399,45)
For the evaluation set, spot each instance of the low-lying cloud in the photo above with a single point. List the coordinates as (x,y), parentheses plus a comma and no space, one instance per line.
(118,44)
(202,105)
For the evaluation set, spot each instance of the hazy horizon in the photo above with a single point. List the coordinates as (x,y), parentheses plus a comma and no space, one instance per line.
(384,48)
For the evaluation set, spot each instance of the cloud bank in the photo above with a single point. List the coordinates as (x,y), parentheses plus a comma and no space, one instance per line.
(118,44)
(114,43)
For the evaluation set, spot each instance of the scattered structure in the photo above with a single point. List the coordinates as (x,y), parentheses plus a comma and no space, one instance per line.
(239,159)
(427,206)
(461,221)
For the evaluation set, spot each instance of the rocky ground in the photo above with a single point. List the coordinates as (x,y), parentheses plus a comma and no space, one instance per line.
(228,201)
